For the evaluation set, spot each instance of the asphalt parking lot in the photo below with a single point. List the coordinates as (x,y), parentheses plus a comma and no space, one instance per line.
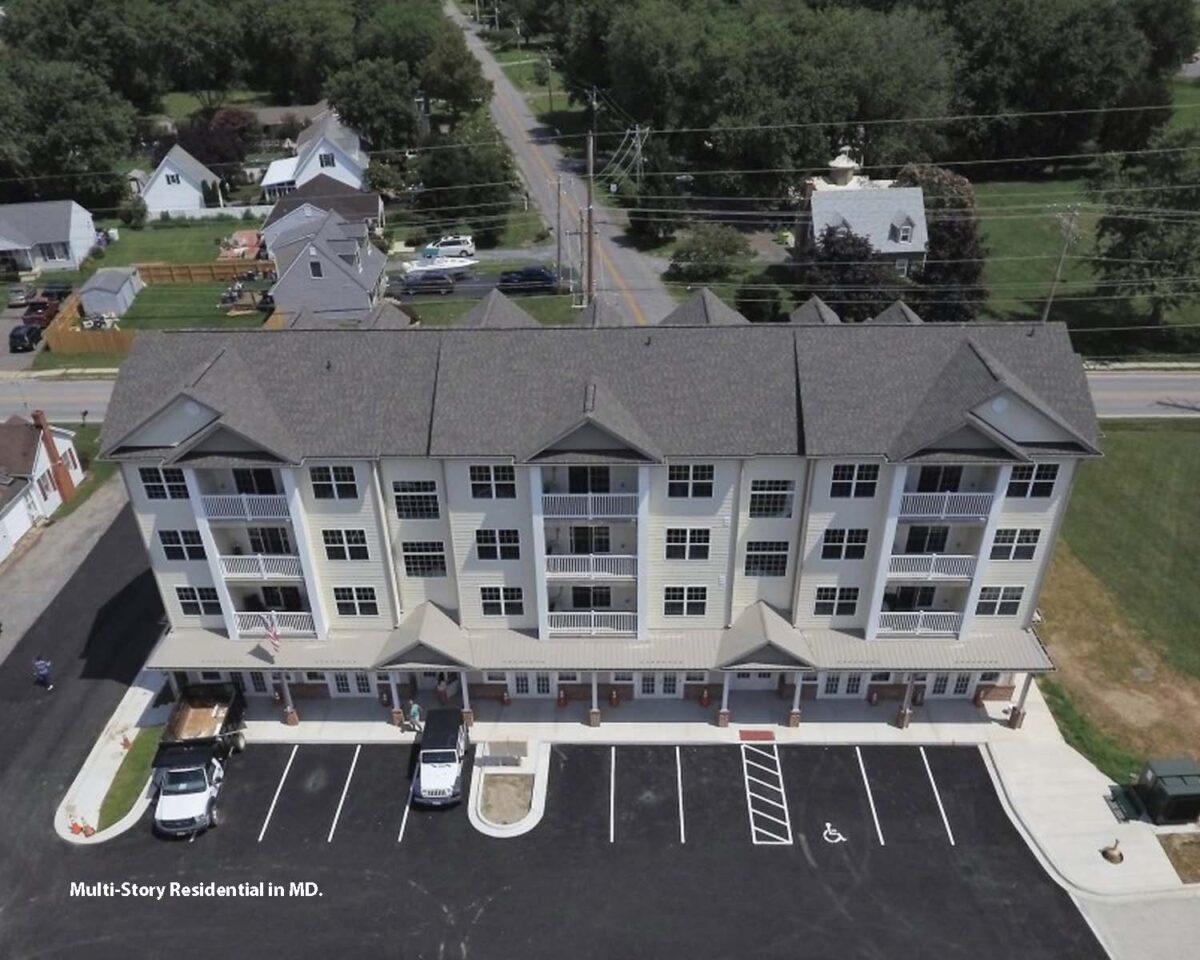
(708,851)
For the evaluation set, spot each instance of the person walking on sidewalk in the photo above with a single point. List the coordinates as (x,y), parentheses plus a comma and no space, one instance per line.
(414,716)
(41,673)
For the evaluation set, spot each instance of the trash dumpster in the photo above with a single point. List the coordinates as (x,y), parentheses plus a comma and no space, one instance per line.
(1170,790)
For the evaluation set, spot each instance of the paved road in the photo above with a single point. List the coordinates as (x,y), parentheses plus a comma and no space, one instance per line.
(63,400)
(620,270)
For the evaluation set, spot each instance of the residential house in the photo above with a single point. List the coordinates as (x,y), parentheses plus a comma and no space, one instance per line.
(44,236)
(326,146)
(39,470)
(590,512)
(177,185)
(892,218)
(328,266)
(111,290)
(319,196)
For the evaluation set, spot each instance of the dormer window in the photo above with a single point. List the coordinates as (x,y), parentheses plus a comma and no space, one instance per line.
(172,179)
(327,160)
(316,269)
(906,234)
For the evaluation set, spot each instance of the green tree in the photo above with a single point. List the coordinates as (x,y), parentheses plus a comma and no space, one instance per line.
(304,44)
(202,50)
(710,251)
(1143,241)
(953,272)
(846,272)
(378,99)
(450,74)
(759,303)
(406,32)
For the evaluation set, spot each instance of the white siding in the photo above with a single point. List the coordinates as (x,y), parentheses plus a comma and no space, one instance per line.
(160,195)
(15,521)
(776,591)
(417,590)
(82,239)
(344,169)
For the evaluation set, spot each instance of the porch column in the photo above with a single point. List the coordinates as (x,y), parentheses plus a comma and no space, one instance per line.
(290,717)
(397,706)
(643,553)
(723,713)
(304,546)
(794,716)
(1016,716)
(904,714)
(594,713)
(467,712)
(536,490)
(883,561)
(174,684)
(985,547)
(211,554)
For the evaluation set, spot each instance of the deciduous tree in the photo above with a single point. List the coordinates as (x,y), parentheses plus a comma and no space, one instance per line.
(846,272)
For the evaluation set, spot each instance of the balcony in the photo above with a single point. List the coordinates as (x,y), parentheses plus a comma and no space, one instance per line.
(592,622)
(931,566)
(286,624)
(262,567)
(594,566)
(945,506)
(923,622)
(583,505)
(245,506)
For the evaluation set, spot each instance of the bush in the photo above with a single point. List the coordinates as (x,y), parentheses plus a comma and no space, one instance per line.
(133,213)
(96,253)
(503,38)
(759,304)
(164,217)
(710,252)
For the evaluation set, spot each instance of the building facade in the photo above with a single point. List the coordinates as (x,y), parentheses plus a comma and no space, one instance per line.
(846,512)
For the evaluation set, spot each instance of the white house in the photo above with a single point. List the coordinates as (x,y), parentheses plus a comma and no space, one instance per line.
(176,185)
(325,147)
(50,235)
(598,512)
(39,469)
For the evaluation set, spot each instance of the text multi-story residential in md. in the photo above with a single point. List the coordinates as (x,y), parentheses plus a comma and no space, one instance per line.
(840,511)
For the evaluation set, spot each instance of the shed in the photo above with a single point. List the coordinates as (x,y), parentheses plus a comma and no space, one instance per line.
(1170,790)
(111,290)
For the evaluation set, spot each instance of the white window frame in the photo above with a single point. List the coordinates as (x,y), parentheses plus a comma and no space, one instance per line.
(1013,543)
(493,544)
(338,541)
(1000,601)
(693,595)
(323,157)
(691,481)
(424,559)
(417,496)
(505,599)
(838,540)
(186,543)
(172,179)
(841,596)
(773,499)
(492,481)
(360,599)
(171,480)
(1030,481)
(902,267)
(860,480)
(906,233)
(696,542)
(333,477)
(769,552)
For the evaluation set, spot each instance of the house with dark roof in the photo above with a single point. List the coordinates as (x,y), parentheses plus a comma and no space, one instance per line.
(325,147)
(44,236)
(327,266)
(822,511)
(177,185)
(320,195)
(39,470)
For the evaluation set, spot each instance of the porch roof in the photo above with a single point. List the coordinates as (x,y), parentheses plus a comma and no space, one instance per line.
(199,649)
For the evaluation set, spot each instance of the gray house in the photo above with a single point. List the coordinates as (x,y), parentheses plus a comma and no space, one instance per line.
(111,290)
(51,235)
(328,266)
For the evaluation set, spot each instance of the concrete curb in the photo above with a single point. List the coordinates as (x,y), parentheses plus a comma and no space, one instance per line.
(537,806)
(64,373)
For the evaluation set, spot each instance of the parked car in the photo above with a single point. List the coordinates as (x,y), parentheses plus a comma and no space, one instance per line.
(58,290)
(443,745)
(20,295)
(24,338)
(528,279)
(40,312)
(427,282)
(459,246)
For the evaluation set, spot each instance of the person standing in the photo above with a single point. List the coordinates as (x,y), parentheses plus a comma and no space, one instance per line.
(414,716)
(41,673)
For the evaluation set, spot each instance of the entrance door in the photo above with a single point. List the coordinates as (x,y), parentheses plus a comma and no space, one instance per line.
(663,684)
(908,599)
(533,684)
(587,479)
(926,540)
(939,479)
(255,481)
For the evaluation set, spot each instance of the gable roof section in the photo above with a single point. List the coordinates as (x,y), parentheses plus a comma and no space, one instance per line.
(427,636)
(604,311)
(813,311)
(600,408)
(898,312)
(703,309)
(761,636)
(186,164)
(328,126)
(870,212)
(18,447)
(334,237)
(24,225)
(327,193)
(496,312)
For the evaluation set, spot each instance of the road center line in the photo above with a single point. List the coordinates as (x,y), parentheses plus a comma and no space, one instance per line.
(612,794)
(871,800)
(679,781)
(407,807)
(938,797)
(345,789)
(275,799)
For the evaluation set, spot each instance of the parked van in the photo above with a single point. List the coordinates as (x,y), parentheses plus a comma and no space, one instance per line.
(442,748)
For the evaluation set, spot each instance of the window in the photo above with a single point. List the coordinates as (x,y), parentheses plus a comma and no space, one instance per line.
(498,544)
(541,683)
(695,676)
(854,480)
(622,676)
(833,683)
(271,541)
(568,676)
(670,684)
(71,461)
(902,267)
(685,601)
(587,480)
(355,601)
(989,677)
(880,677)
(836,602)
(766,558)
(333,483)
(316,269)
(210,674)
(197,601)
(687,544)
(255,481)
(424,558)
(345,544)
(690,480)
(940,682)
(181,544)
(591,598)
(939,479)
(362,682)
(521,683)
(907,599)
(854,683)
(164,484)
(416,499)
(488,483)
(648,684)
(1015,544)
(906,234)
(1028,481)
(926,539)
(258,682)
(341,683)
(501,601)
(44,485)
(844,544)
(585,540)
(999,601)
(282,598)
(327,160)
(172,179)
(495,676)
(771,498)
(962,683)
(315,676)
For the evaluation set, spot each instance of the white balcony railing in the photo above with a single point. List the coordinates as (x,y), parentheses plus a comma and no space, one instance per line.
(593,622)
(946,505)
(286,624)
(920,622)
(932,566)
(589,504)
(245,506)
(261,567)
(596,566)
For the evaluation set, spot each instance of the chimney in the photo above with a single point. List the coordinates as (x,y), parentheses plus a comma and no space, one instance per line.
(58,469)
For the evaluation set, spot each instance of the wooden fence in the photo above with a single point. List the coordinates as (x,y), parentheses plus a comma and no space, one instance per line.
(217,271)
(63,336)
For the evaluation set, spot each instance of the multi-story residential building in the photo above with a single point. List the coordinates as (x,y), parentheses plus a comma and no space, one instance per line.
(833,511)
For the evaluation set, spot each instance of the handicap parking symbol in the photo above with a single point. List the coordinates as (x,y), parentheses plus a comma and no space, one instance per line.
(833,835)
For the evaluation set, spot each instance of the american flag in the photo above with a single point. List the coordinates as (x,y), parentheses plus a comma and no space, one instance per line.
(272,635)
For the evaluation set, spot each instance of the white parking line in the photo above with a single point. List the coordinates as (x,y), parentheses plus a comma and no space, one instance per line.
(870,799)
(938,797)
(612,794)
(278,790)
(407,807)
(345,789)
(679,781)
(765,832)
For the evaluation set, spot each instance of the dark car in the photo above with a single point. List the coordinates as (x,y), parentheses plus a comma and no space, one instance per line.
(528,279)
(428,283)
(40,312)
(24,338)
(58,290)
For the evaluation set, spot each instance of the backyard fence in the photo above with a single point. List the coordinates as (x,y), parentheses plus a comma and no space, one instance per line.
(62,336)
(219,271)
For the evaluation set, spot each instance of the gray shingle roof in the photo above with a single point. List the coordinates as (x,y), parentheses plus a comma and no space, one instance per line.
(703,309)
(327,193)
(496,311)
(898,312)
(604,311)
(18,453)
(186,163)
(382,316)
(28,224)
(844,390)
(335,237)
(814,310)
(875,213)
(598,406)
(108,279)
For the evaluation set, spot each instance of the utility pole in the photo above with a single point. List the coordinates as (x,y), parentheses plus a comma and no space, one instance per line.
(1069,236)
(550,81)
(592,100)
(496,14)
(558,230)
(477,11)
(591,175)
(637,155)
(582,293)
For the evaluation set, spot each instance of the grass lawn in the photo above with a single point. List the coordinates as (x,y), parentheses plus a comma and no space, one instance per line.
(1120,602)
(180,105)
(524,228)
(131,778)
(197,241)
(180,305)
(45,360)
(1185,93)
(553,311)
(87,445)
